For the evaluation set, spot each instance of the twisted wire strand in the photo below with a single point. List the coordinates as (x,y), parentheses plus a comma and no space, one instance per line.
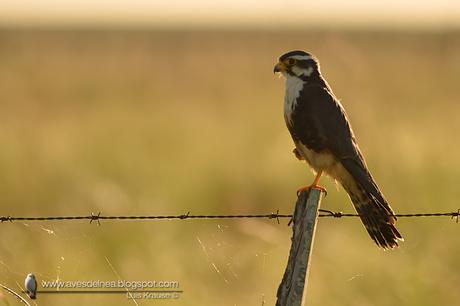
(323,213)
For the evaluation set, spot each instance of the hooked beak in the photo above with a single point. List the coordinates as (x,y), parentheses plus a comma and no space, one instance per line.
(280,67)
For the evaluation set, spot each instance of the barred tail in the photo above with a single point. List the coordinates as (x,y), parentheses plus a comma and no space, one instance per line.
(377,217)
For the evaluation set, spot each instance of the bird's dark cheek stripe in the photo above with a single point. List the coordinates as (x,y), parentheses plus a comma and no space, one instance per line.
(303,64)
(303,77)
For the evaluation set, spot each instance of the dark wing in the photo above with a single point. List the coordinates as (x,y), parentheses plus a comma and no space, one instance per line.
(321,124)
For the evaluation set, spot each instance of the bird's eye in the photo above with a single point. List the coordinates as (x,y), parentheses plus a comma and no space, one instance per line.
(291,61)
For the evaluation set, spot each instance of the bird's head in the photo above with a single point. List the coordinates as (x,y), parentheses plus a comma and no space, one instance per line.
(298,64)
(30,275)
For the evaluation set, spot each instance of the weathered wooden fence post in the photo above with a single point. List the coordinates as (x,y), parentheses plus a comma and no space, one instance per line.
(292,290)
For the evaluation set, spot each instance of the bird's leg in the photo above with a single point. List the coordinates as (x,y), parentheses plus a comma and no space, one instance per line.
(314,185)
(297,154)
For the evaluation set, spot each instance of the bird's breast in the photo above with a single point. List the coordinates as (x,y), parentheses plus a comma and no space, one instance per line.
(319,161)
(294,86)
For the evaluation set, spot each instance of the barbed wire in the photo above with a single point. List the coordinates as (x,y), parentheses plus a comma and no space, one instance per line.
(323,213)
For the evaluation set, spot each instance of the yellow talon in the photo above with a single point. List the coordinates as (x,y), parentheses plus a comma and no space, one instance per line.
(299,191)
(314,185)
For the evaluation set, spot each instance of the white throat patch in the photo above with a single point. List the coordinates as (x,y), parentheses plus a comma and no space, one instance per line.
(293,87)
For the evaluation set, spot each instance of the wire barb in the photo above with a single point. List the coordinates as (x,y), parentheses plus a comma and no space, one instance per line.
(182,217)
(455,216)
(273,216)
(5,218)
(95,218)
(330,213)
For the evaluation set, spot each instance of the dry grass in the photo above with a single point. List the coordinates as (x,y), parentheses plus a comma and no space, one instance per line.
(170,122)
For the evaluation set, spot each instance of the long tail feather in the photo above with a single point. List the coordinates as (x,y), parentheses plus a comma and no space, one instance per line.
(377,219)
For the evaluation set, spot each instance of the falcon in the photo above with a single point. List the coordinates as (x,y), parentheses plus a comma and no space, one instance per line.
(323,137)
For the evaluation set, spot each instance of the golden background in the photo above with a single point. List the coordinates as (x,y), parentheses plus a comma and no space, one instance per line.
(165,122)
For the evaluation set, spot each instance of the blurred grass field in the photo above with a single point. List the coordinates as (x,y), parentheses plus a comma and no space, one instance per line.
(164,122)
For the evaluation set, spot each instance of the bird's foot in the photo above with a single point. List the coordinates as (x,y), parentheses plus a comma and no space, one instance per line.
(297,154)
(301,189)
